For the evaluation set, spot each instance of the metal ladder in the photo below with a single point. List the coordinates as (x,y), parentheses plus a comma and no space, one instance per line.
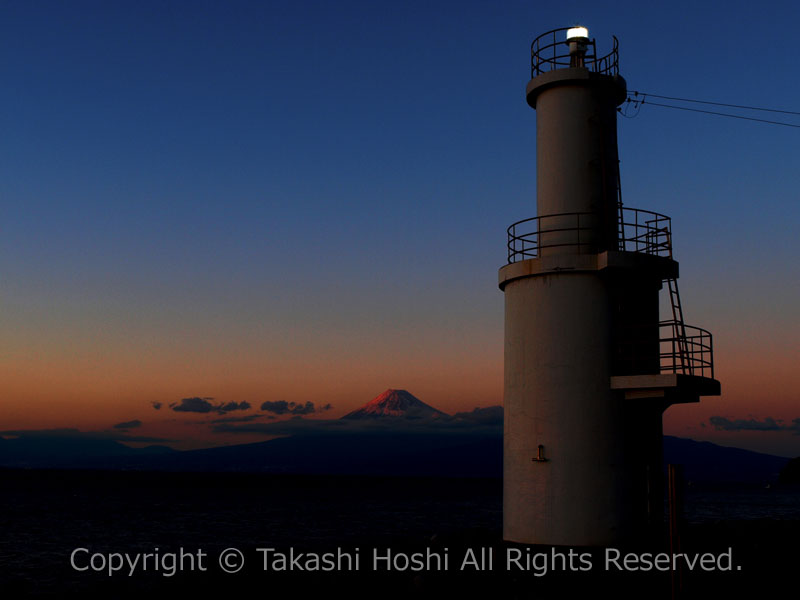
(678,328)
(620,213)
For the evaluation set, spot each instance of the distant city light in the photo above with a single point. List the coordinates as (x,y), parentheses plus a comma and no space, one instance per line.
(577,32)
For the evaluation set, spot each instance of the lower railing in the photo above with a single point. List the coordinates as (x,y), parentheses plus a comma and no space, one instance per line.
(686,349)
(680,348)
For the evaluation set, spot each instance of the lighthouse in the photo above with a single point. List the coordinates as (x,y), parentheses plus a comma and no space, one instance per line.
(590,364)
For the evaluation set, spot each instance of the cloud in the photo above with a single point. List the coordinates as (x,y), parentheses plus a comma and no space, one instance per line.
(299,426)
(481,421)
(157,405)
(282,407)
(303,409)
(196,405)
(489,415)
(75,434)
(205,405)
(242,419)
(279,407)
(768,424)
(229,406)
(128,424)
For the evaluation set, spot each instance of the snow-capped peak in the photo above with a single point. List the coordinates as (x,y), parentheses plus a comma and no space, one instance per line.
(395,403)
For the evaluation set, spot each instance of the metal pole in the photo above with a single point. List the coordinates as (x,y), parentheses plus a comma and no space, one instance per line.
(675,475)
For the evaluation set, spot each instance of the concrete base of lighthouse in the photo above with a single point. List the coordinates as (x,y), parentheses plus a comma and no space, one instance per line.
(595,481)
(557,395)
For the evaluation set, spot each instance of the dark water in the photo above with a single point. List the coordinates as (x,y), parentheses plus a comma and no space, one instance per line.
(44,515)
(708,504)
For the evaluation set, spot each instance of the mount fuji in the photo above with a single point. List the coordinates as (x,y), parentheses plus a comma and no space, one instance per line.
(396,404)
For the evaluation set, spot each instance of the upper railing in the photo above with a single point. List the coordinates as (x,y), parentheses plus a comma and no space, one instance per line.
(550,51)
(638,230)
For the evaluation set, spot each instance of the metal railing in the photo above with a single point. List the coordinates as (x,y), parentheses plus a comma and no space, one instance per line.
(645,231)
(639,230)
(686,349)
(678,348)
(550,51)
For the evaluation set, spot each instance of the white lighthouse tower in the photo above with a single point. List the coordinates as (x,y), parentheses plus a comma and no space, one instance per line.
(589,365)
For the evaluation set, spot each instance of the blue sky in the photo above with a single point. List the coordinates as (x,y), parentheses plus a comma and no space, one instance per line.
(288,200)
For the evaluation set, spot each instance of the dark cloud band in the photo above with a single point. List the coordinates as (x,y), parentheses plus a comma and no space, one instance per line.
(206,405)
(751,424)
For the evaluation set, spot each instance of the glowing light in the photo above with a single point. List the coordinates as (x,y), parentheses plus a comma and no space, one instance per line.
(577,32)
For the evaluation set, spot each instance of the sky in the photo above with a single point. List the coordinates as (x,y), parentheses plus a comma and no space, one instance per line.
(303,202)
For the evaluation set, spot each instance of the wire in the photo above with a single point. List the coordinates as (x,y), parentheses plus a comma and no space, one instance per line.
(711,112)
(627,112)
(775,110)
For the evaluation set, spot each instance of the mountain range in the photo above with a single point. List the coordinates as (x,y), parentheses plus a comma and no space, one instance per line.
(393,434)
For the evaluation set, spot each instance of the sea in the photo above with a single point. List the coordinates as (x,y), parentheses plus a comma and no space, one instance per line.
(48,516)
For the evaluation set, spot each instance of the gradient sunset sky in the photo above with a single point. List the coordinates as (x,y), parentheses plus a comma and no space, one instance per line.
(307,202)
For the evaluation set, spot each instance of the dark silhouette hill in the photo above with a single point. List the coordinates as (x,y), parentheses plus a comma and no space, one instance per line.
(395,433)
(380,453)
(69,449)
(704,461)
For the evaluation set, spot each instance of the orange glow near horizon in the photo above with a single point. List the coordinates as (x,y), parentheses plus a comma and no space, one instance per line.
(90,376)
(93,387)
